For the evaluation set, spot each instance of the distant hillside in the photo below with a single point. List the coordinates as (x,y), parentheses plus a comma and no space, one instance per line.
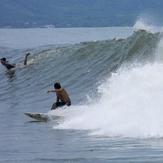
(75,13)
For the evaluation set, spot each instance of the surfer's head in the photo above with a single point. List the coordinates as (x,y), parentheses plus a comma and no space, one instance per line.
(57,85)
(3,59)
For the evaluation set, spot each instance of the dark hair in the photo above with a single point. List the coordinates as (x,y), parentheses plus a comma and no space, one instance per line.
(57,85)
(3,59)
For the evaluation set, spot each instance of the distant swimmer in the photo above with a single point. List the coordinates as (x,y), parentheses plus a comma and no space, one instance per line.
(62,96)
(9,66)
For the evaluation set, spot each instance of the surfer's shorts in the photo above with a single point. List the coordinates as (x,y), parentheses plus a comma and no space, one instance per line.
(60,104)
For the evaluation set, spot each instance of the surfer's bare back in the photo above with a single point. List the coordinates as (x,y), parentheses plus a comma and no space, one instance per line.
(62,96)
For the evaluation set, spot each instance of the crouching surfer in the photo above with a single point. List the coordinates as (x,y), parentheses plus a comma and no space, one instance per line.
(10,66)
(62,96)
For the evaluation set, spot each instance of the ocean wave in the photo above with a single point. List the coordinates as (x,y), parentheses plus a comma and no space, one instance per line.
(121,78)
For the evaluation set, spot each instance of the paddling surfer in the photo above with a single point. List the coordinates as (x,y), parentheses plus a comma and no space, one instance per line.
(10,66)
(62,96)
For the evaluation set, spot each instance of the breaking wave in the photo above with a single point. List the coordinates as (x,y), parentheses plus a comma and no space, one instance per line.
(115,85)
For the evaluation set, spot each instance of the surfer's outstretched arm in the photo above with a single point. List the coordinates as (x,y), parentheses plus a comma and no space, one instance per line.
(25,59)
(51,91)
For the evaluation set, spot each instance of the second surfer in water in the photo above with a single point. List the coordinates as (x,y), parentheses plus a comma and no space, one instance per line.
(62,96)
(9,66)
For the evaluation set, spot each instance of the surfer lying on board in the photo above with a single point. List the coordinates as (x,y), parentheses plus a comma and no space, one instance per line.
(62,96)
(9,66)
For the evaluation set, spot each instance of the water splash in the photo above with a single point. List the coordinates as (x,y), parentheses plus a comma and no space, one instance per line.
(146,23)
(130,105)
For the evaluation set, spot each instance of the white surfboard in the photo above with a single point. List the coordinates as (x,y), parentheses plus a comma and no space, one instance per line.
(44,116)
(38,116)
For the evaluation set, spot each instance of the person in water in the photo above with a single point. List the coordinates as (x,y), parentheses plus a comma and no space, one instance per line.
(9,66)
(62,96)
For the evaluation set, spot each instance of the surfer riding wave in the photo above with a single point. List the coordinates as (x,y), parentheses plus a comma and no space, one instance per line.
(62,96)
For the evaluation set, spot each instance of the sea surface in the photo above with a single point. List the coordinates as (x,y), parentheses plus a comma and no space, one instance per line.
(114,76)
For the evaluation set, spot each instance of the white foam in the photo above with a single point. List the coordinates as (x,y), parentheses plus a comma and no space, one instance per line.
(146,23)
(131,105)
(159,51)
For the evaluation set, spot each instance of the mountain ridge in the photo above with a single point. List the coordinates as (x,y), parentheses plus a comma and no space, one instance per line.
(75,13)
